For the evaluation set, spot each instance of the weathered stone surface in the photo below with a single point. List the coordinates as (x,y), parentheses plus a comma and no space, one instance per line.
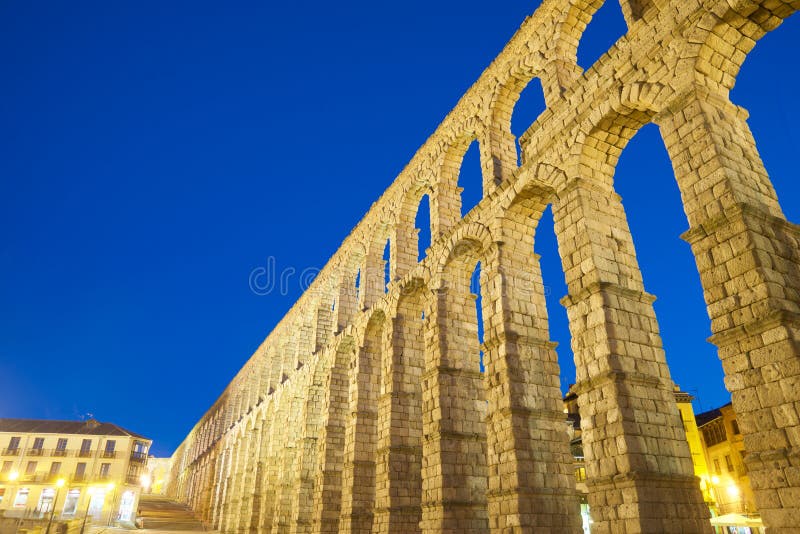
(365,410)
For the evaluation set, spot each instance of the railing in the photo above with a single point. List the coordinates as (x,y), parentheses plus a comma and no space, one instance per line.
(108,454)
(79,477)
(59,452)
(85,453)
(10,452)
(35,451)
(132,480)
(137,456)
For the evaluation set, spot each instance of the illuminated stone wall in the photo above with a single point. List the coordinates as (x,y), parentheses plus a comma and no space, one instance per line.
(366,409)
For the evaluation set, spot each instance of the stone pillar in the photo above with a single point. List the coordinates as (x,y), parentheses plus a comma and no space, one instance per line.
(454,475)
(531,468)
(361,433)
(404,242)
(398,483)
(328,488)
(308,450)
(639,467)
(250,482)
(347,300)
(219,488)
(373,276)
(748,257)
(289,478)
(272,449)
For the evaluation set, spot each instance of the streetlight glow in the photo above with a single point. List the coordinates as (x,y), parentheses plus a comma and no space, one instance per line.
(733,490)
(13,475)
(60,483)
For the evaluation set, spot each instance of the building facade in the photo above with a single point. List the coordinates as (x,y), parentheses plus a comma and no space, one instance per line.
(374,406)
(70,469)
(724,447)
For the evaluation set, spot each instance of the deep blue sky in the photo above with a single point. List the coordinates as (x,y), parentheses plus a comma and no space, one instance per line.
(153,153)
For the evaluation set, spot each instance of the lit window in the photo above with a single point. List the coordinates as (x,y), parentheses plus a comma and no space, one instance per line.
(21,498)
(728,463)
(30,468)
(104,468)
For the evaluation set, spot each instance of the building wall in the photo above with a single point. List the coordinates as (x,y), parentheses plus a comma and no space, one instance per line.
(724,448)
(121,477)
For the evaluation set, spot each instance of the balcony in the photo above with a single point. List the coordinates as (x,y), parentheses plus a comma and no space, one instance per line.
(11,452)
(35,452)
(80,477)
(108,454)
(85,453)
(137,456)
(59,452)
(132,480)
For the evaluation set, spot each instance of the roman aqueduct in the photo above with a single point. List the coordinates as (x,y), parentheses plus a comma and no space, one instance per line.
(365,410)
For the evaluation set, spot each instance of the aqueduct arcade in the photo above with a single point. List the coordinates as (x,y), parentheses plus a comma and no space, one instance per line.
(374,407)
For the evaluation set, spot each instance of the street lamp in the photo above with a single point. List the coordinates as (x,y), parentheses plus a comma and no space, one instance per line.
(89,493)
(13,475)
(59,485)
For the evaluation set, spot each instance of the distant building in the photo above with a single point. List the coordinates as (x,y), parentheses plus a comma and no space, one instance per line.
(74,468)
(693,438)
(158,470)
(724,446)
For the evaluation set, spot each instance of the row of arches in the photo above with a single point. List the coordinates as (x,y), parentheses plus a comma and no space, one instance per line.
(405,419)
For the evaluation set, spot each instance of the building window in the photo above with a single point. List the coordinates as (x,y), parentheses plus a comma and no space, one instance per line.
(714,432)
(735,427)
(104,469)
(38,443)
(2,494)
(30,468)
(62,444)
(71,502)
(86,447)
(80,471)
(55,468)
(21,498)
(728,463)
(13,443)
(6,467)
(717,467)
(110,446)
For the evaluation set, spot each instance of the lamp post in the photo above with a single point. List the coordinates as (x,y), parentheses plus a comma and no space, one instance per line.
(89,493)
(59,485)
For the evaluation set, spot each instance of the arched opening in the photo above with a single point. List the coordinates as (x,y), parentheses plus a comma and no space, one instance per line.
(656,228)
(475,290)
(422,225)
(607,24)
(774,120)
(470,178)
(387,266)
(527,109)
